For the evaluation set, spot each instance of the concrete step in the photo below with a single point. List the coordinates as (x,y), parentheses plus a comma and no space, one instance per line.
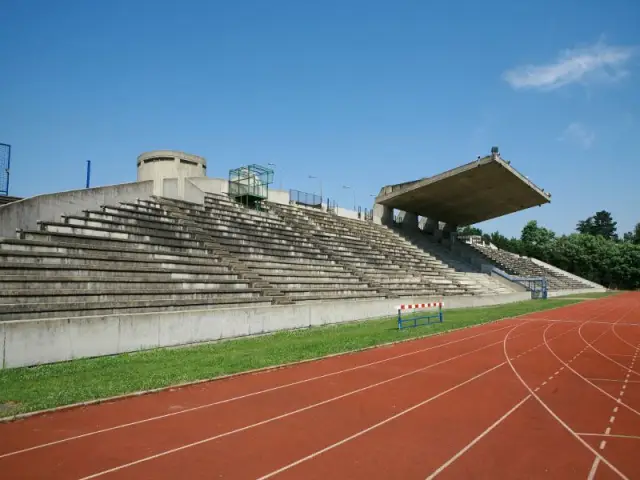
(80,309)
(106,261)
(28,282)
(37,297)
(49,270)
(336,296)
(123,251)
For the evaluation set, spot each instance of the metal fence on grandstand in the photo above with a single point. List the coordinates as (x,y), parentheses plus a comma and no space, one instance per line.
(304,198)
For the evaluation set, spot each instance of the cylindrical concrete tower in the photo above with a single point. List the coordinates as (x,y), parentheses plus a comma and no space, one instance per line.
(160,164)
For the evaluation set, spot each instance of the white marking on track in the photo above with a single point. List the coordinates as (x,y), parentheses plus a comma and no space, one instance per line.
(599,458)
(362,432)
(594,467)
(631,437)
(477,439)
(285,415)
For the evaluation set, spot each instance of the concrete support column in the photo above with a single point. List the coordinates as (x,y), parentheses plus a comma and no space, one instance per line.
(430,226)
(383,215)
(449,230)
(410,222)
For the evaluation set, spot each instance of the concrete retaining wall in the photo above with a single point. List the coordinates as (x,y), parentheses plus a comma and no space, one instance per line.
(564,272)
(49,207)
(560,293)
(32,342)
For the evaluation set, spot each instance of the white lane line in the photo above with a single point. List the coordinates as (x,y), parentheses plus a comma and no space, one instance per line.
(599,458)
(477,439)
(630,370)
(612,380)
(594,467)
(593,384)
(600,322)
(631,437)
(242,397)
(603,443)
(284,415)
(387,420)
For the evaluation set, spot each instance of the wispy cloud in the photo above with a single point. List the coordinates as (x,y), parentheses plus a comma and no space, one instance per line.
(579,134)
(598,62)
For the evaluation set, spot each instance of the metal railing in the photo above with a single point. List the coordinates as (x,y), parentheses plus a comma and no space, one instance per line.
(304,198)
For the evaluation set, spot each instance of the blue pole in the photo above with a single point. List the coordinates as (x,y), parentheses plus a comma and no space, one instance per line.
(88,173)
(8,168)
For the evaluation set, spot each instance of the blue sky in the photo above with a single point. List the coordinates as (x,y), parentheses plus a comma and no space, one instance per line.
(362,93)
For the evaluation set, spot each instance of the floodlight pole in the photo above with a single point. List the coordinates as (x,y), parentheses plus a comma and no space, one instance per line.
(320,181)
(348,187)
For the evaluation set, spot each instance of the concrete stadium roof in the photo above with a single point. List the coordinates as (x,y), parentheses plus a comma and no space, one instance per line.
(472,193)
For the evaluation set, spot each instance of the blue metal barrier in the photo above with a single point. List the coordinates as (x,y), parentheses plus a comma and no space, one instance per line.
(419,306)
(538,286)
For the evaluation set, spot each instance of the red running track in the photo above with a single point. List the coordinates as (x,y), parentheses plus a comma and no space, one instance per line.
(553,394)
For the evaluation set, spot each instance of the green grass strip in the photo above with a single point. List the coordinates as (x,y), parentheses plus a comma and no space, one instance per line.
(590,295)
(35,388)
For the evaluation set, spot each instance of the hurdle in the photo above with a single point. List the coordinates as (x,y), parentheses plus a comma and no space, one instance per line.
(419,306)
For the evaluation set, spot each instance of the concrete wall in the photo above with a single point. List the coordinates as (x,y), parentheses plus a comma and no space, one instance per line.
(215,186)
(561,293)
(32,342)
(182,189)
(49,207)
(159,165)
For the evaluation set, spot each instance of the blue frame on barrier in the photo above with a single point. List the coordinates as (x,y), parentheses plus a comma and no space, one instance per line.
(413,321)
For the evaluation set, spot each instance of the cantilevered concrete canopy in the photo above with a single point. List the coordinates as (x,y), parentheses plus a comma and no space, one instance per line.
(475,192)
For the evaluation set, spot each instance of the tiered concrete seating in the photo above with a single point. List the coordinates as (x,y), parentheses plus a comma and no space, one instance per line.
(465,273)
(283,259)
(380,255)
(522,266)
(121,259)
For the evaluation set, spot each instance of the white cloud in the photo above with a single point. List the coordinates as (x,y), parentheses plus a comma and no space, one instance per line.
(579,134)
(599,62)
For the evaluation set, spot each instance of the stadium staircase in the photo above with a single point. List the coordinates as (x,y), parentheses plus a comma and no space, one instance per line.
(522,266)
(465,272)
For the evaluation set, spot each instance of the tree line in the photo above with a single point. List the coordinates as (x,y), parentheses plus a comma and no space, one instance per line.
(595,251)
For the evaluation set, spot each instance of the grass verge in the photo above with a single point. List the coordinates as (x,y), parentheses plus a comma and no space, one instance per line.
(35,388)
(590,295)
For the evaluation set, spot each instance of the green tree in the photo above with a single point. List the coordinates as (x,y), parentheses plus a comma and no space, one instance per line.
(469,230)
(536,240)
(633,236)
(600,224)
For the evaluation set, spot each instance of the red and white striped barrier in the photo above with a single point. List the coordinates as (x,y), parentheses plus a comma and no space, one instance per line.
(416,306)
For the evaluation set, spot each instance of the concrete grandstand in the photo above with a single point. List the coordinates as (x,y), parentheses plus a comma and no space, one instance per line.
(173,259)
